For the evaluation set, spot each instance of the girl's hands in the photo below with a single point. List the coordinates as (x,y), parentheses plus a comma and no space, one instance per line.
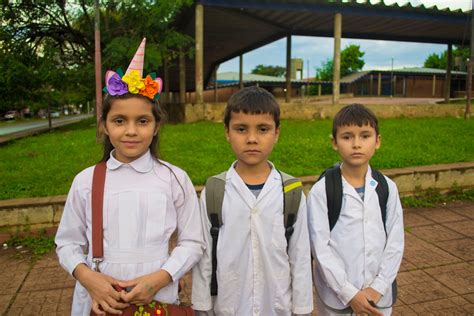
(144,287)
(100,288)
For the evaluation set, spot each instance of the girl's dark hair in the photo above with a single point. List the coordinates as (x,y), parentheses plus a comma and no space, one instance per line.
(354,114)
(252,100)
(158,114)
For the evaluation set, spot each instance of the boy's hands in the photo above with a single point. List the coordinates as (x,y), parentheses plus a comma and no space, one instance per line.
(144,287)
(372,294)
(100,288)
(360,305)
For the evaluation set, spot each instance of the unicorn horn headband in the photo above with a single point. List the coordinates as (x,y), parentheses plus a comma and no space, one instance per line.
(132,82)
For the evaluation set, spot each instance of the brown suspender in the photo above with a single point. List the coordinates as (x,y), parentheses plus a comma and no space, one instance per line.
(98,183)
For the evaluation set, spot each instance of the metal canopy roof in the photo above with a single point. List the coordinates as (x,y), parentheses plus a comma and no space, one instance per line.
(232,28)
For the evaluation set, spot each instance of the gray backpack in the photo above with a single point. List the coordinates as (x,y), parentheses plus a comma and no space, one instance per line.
(215,189)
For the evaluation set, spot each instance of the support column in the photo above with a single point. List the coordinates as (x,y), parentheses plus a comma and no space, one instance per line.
(215,85)
(98,72)
(336,72)
(379,85)
(433,92)
(182,78)
(371,89)
(241,71)
(449,66)
(467,113)
(404,86)
(319,89)
(166,81)
(199,39)
(394,85)
(288,69)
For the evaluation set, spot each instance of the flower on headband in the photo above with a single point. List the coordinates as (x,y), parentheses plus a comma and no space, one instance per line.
(150,87)
(115,85)
(135,83)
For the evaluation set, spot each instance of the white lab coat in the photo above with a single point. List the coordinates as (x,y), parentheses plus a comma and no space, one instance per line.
(357,253)
(256,273)
(143,204)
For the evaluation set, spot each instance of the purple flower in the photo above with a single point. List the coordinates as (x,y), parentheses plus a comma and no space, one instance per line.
(116,86)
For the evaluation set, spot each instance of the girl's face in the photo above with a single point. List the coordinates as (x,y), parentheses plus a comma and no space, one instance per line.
(130,125)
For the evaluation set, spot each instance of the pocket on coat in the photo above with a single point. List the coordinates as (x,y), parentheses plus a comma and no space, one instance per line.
(228,293)
(278,233)
(283,295)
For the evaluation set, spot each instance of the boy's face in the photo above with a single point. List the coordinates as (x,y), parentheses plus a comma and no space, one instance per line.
(252,137)
(356,144)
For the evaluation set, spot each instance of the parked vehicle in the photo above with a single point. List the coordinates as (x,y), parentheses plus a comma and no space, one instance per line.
(11,115)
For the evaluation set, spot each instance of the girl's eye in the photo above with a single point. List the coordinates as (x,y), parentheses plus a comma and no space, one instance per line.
(143,121)
(119,121)
(345,137)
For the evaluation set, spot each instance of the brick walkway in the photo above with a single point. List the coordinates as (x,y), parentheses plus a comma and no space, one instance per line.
(436,277)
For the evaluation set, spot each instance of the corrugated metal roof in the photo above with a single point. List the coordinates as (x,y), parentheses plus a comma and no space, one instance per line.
(232,28)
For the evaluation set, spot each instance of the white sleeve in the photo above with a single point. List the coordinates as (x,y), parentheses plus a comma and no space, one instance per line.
(299,253)
(202,272)
(331,265)
(190,245)
(71,240)
(393,253)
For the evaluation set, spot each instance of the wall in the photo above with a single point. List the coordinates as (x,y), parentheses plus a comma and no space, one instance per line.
(313,108)
(32,214)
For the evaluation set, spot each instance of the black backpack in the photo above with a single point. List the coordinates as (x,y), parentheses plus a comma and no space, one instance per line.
(333,181)
(215,189)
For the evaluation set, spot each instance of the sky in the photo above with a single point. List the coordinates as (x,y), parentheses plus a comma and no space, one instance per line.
(315,50)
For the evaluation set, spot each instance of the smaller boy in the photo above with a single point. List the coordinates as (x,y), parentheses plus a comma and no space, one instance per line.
(359,250)
(258,271)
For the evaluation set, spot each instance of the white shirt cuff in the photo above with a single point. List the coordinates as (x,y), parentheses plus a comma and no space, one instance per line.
(302,310)
(347,293)
(172,267)
(379,285)
(71,263)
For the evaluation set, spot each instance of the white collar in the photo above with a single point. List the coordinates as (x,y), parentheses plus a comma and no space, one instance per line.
(143,164)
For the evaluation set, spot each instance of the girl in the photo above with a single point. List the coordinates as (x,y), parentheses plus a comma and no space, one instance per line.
(145,200)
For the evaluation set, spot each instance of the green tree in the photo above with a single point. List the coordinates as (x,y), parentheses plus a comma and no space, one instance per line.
(47,45)
(351,61)
(438,61)
(268,70)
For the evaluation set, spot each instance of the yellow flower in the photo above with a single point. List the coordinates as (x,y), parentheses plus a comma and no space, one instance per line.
(134,82)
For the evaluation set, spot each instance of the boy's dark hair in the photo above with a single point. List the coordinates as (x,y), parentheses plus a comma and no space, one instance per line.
(354,114)
(158,114)
(252,100)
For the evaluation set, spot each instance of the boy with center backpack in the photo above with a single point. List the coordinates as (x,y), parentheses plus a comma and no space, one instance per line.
(356,223)
(257,260)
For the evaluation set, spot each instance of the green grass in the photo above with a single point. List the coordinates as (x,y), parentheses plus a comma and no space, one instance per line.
(46,164)
(432,198)
(38,245)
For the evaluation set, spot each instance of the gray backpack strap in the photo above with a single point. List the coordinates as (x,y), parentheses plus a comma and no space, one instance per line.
(292,189)
(215,188)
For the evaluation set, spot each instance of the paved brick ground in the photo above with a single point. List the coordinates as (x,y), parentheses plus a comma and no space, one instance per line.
(436,276)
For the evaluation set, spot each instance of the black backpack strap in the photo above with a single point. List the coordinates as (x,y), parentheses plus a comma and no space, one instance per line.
(215,188)
(333,181)
(382,192)
(292,189)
